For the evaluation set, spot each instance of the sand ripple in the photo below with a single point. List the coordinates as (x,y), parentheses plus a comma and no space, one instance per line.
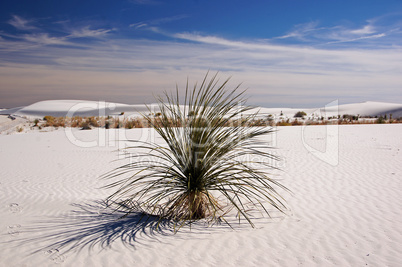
(344,215)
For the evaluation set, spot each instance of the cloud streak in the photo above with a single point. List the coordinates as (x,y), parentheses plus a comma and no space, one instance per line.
(87,32)
(44,39)
(368,35)
(155,22)
(21,23)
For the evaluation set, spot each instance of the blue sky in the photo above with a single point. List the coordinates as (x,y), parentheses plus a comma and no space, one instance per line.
(287,53)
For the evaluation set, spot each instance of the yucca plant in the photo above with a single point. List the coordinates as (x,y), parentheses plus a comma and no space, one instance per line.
(208,165)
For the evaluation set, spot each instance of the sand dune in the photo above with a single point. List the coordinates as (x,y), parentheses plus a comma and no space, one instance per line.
(100,108)
(62,108)
(345,213)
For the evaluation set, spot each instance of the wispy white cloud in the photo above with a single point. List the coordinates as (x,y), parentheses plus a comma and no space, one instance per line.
(44,39)
(348,40)
(367,29)
(138,25)
(311,34)
(87,32)
(21,23)
(155,22)
(38,36)
(300,31)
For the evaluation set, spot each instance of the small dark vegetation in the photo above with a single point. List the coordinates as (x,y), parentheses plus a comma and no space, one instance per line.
(300,114)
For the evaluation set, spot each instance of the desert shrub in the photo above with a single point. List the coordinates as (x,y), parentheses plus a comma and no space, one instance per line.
(350,117)
(92,121)
(20,129)
(311,123)
(54,121)
(60,122)
(138,123)
(380,120)
(296,122)
(50,121)
(205,169)
(117,124)
(283,123)
(48,118)
(36,121)
(85,126)
(300,114)
(76,121)
(257,123)
(129,124)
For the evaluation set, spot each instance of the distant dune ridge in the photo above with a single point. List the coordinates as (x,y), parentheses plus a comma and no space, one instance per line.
(61,108)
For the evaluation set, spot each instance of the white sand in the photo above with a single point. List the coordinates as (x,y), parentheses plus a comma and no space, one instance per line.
(100,108)
(9,126)
(344,214)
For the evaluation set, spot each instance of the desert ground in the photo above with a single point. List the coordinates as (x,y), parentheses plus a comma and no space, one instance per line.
(344,208)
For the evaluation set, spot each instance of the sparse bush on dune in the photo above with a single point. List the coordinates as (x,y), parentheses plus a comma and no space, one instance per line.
(296,122)
(284,123)
(300,114)
(117,124)
(92,121)
(259,122)
(132,123)
(48,118)
(381,120)
(129,124)
(51,121)
(76,121)
(85,126)
(139,123)
(205,170)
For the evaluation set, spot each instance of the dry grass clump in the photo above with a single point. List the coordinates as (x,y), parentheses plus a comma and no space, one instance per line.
(297,122)
(91,122)
(76,122)
(284,123)
(133,123)
(51,121)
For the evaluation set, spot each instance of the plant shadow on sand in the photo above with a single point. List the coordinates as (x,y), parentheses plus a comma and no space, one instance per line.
(93,226)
